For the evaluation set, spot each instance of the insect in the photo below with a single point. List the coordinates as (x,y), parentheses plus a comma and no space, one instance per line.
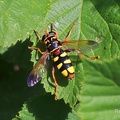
(58,50)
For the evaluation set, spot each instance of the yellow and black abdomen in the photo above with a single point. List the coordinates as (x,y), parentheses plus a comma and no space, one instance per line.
(64,64)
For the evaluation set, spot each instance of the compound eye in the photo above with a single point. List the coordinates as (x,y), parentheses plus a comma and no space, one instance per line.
(43,38)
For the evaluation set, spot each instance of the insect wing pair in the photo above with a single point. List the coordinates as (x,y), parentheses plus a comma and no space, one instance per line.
(84,46)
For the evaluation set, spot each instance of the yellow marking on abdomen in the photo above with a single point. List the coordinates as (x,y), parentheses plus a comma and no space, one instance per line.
(59,65)
(55,58)
(63,54)
(71,69)
(67,61)
(65,73)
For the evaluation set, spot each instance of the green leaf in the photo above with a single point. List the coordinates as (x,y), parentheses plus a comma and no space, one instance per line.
(39,108)
(95,20)
(100,94)
(101,21)
(73,115)
(19,18)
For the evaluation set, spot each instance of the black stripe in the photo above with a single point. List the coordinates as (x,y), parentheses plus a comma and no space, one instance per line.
(61,60)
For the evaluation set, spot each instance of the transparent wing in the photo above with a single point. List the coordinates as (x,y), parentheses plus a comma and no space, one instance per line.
(84,46)
(38,71)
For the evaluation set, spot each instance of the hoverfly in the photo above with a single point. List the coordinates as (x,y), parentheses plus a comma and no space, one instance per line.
(58,50)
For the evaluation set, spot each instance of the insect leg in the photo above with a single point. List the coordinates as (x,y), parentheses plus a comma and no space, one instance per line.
(37,34)
(81,54)
(36,48)
(90,57)
(46,32)
(68,35)
(56,85)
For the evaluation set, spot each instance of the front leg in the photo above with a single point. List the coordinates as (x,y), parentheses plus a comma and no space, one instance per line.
(69,33)
(36,48)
